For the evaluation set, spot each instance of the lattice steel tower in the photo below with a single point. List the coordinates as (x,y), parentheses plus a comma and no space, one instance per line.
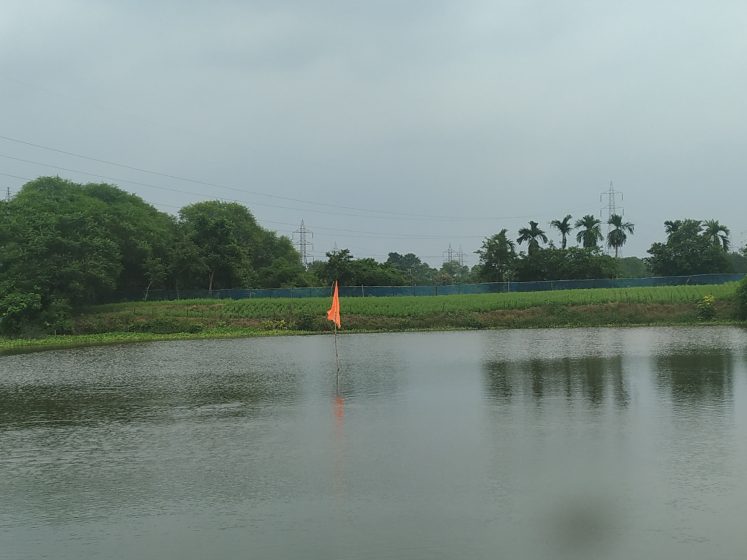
(611,207)
(303,243)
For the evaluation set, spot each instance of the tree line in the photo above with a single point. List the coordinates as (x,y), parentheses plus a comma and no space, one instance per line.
(65,245)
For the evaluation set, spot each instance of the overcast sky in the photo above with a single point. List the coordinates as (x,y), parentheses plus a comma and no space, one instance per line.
(385,125)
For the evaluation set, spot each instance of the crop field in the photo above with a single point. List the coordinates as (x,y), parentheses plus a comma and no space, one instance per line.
(410,306)
(219,318)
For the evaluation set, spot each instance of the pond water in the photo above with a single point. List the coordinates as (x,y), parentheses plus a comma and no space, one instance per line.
(583,443)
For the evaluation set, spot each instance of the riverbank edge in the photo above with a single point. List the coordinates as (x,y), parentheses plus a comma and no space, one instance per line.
(11,346)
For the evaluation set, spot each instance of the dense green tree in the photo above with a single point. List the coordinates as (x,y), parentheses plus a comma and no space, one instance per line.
(451,272)
(369,272)
(497,258)
(617,236)
(564,226)
(144,237)
(717,233)
(55,242)
(55,251)
(64,245)
(571,264)
(337,268)
(341,266)
(686,251)
(738,261)
(277,262)
(222,239)
(412,268)
(671,226)
(632,267)
(742,299)
(532,235)
(231,250)
(589,234)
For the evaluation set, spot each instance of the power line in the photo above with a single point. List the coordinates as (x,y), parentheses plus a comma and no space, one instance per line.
(348,232)
(385,214)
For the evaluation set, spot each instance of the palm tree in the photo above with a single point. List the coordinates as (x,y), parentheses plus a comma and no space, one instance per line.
(671,226)
(716,233)
(617,237)
(590,232)
(532,234)
(497,256)
(564,227)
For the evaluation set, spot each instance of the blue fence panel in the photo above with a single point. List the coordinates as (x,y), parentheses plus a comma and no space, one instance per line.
(434,290)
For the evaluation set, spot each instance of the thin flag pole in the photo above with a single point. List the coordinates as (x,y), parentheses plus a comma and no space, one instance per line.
(334,315)
(337,360)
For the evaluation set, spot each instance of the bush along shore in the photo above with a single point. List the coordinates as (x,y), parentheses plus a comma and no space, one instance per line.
(206,318)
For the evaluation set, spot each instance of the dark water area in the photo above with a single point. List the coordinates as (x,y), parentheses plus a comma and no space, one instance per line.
(583,443)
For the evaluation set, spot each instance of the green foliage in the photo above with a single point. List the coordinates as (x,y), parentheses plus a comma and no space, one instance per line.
(337,268)
(532,235)
(632,267)
(569,264)
(452,272)
(618,235)
(18,311)
(341,266)
(738,261)
(705,308)
(742,299)
(411,268)
(497,258)
(144,236)
(717,233)
(589,234)
(221,246)
(55,242)
(73,245)
(564,226)
(687,251)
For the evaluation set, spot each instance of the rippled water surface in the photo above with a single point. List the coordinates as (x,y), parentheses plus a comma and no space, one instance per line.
(601,443)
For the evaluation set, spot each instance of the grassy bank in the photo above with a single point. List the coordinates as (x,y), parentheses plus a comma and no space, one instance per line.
(204,318)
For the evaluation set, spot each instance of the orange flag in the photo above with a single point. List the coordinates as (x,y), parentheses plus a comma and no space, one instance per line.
(334,312)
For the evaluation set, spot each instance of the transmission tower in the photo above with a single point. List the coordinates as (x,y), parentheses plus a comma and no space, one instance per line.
(611,207)
(7,195)
(450,255)
(303,243)
(460,256)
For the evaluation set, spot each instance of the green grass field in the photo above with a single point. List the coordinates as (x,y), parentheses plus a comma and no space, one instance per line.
(210,318)
(407,306)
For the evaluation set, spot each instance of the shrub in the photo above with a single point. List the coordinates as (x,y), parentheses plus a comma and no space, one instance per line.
(742,299)
(19,311)
(705,308)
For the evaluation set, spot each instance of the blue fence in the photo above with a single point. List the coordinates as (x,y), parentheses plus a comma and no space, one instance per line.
(488,288)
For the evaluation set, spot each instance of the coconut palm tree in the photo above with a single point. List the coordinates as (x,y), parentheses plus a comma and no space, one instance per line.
(671,226)
(564,227)
(617,237)
(532,235)
(590,233)
(497,256)
(718,234)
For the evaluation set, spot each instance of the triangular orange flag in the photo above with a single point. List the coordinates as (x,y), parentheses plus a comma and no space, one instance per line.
(334,312)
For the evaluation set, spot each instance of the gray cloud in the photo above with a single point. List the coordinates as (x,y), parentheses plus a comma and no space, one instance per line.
(512,110)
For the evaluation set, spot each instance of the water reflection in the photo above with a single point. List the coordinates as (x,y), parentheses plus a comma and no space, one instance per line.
(237,393)
(548,444)
(537,379)
(701,374)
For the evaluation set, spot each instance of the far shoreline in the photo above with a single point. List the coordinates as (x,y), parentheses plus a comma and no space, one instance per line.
(9,347)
